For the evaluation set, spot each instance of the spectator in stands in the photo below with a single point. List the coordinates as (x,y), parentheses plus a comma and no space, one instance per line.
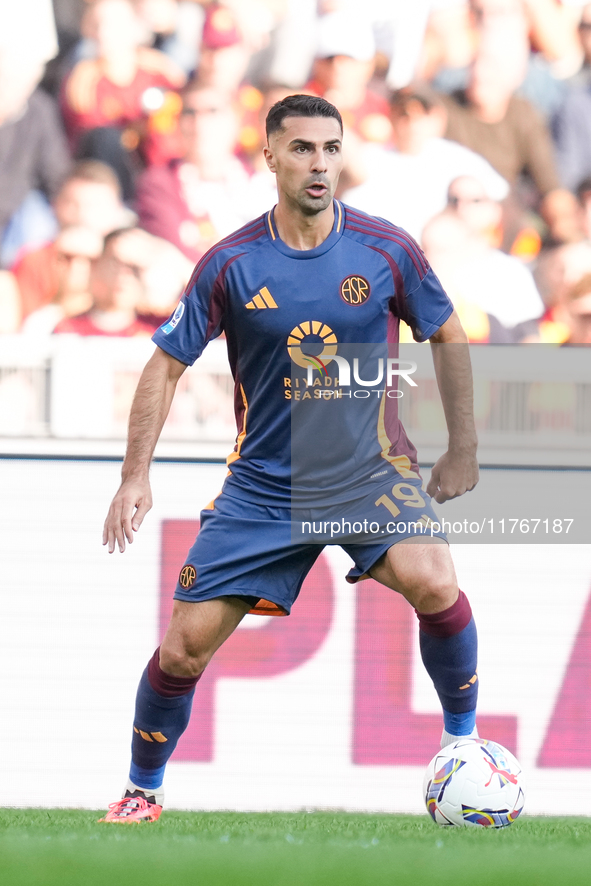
(448,242)
(572,121)
(33,152)
(556,32)
(409,184)
(68,19)
(488,118)
(521,23)
(342,70)
(557,271)
(450,40)
(174,27)
(89,198)
(469,200)
(107,100)
(578,310)
(72,253)
(224,54)
(117,293)
(548,27)
(486,278)
(164,273)
(195,201)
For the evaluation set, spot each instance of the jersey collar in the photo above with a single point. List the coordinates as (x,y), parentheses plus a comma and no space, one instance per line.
(333,237)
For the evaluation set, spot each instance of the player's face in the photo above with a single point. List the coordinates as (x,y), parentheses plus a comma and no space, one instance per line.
(307,159)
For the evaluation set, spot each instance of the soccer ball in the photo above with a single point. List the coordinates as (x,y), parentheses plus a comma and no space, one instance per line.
(474,783)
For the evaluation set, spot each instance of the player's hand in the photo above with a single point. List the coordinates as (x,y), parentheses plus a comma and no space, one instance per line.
(128,509)
(453,474)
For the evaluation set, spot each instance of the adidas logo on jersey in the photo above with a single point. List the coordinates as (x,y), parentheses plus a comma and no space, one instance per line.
(263,299)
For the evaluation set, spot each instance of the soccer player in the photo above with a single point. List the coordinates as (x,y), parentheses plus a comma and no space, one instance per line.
(310,271)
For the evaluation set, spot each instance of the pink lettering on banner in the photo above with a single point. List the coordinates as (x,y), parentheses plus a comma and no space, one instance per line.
(386,730)
(281,645)
(568,740)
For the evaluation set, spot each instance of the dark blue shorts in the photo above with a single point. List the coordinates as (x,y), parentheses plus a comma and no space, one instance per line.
(252,551)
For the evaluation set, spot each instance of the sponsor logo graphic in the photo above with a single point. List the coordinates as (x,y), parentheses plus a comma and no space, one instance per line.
(315,333)
(175,319)
(187,576)
(355,290)
(263,299)
(505,776)
(312,332)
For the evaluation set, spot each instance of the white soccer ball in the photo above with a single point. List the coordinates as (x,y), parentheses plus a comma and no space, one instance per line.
(474,783)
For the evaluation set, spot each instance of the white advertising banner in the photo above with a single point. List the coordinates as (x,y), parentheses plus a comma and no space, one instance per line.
(330,707)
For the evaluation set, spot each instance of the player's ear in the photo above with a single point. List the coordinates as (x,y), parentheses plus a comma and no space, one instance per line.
(270,160)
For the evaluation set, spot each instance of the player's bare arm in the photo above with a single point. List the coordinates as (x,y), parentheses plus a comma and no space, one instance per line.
(456,472)
(150,407)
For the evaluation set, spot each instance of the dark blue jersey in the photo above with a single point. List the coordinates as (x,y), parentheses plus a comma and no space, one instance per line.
(288,316)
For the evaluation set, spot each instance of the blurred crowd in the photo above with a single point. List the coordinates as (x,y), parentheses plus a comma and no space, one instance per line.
(131,136)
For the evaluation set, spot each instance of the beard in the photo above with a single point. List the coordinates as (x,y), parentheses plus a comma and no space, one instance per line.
(313,205)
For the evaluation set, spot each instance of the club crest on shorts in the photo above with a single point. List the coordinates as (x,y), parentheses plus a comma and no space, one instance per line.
(187,576)
(355,290)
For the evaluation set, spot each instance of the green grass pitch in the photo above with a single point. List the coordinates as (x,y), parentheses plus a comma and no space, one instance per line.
(67,847)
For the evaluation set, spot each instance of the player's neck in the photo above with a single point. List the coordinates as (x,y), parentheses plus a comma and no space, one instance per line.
(300,231)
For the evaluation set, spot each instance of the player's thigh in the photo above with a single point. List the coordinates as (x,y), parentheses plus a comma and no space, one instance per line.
(421,571)
(197,630)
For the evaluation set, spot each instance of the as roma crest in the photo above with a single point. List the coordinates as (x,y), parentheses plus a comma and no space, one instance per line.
(187,576)
(355,290)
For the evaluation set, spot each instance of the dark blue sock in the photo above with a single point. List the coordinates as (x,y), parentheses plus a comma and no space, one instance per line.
(162,711)
(449,649)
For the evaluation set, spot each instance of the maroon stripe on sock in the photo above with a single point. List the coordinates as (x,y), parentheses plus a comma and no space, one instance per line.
(168,685)
(449,622)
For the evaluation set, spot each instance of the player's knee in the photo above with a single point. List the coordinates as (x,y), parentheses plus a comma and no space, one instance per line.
(424,574)
(434,596)
(431,585)
(180,661)
(433,589)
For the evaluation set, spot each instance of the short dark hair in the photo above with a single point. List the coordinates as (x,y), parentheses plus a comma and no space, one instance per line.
(300,106)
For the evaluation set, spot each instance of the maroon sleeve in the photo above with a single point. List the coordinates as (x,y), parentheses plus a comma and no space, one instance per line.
(161,208)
